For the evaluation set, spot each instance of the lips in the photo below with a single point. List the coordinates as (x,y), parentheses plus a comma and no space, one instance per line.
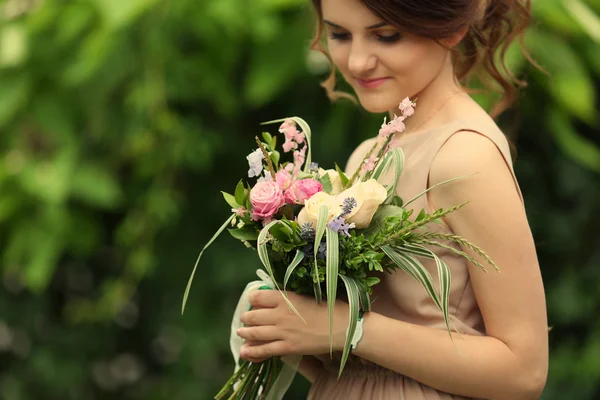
(371,83)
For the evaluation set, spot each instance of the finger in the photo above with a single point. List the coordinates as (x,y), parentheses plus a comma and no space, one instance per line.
(263,333)
(262,316)
(264,298)
(271,349)
(255,343)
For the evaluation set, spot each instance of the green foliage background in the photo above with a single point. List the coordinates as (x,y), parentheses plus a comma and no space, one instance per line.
(120,122)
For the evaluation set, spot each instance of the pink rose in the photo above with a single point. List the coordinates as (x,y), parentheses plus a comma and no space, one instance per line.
(283,179)
(302,190)
(267,199)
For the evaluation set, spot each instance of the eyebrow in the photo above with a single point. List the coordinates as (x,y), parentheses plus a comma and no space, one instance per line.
(378,25)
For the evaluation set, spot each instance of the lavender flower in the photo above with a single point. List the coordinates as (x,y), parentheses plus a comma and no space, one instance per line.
(255,160)
(313,167)
(348,205)
(339,225)
(307,232)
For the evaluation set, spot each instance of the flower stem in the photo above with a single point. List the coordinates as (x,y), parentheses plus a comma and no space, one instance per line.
(388,139)
(357,172)
(267,158)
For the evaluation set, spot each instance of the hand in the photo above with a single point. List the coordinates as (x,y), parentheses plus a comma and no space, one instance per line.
(273,329)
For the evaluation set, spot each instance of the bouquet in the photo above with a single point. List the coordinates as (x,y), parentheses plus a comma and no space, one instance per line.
(323,233)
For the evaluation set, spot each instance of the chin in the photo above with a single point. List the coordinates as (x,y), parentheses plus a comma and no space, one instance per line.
(377,103)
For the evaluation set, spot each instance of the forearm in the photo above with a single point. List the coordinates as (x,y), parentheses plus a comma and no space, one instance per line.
(484,368)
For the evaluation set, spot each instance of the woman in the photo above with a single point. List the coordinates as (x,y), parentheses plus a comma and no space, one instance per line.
(387,50)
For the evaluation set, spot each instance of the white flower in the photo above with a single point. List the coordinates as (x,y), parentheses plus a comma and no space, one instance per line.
(369,196)
(255,163)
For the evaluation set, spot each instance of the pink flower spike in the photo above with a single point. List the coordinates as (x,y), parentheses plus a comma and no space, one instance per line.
(397,124)
(289,145)
(287,124)
(291,133)
(369,164)
(299,158)
(407,107)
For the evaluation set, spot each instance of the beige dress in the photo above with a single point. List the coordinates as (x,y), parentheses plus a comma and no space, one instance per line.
(399,296)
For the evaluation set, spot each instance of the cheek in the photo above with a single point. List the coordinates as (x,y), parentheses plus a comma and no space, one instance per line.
(419,66)
(339,54)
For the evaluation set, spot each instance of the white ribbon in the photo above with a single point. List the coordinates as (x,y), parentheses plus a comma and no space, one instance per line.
(286,376)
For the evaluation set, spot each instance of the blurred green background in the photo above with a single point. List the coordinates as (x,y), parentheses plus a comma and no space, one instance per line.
(120,122)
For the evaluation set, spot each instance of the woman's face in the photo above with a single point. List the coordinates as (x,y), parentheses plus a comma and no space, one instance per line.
(381,63)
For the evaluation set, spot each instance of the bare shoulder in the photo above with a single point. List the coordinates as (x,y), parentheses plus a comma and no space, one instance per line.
(358,155)
(473,154)
(466,152)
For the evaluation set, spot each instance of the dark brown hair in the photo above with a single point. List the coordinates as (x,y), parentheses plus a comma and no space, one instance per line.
(492,25)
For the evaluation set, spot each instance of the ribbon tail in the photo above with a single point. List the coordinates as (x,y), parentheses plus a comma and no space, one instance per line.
(290,366)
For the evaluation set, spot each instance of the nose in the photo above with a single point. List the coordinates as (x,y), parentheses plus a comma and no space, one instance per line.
(361,60)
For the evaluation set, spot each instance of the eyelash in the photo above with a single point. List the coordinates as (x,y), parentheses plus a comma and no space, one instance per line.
(382,38)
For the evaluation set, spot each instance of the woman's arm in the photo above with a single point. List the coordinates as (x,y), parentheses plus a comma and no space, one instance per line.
(511,361)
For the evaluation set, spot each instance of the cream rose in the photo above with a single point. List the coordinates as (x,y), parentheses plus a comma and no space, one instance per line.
(369,196)
(334,177)
(310,211)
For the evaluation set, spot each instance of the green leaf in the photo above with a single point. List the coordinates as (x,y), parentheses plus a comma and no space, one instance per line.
(331,276)
(245,233)
(290,269)
(343,176)
(215,236)
(382,166)
(275,155)
(247,200)
(353,291)
(372,281)
(283,232)
(268,138)
(398,158)
(421,215)
(263,255)
(397,201)
(321,224)
(413,267)
(444,277)
(365,298)
(379,217)
(230,200)
(240,194)
(326,182)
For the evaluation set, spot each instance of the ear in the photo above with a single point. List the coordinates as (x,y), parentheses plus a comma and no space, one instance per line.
(456,38)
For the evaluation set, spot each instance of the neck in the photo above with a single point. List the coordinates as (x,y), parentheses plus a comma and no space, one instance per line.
(432,98)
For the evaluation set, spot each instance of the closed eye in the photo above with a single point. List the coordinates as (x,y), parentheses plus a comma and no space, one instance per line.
(343,36)
(393,38)
(339,36)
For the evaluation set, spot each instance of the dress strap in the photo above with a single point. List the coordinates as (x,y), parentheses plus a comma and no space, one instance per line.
(486,128)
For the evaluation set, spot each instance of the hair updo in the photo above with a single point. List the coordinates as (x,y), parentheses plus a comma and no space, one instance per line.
(492,26)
